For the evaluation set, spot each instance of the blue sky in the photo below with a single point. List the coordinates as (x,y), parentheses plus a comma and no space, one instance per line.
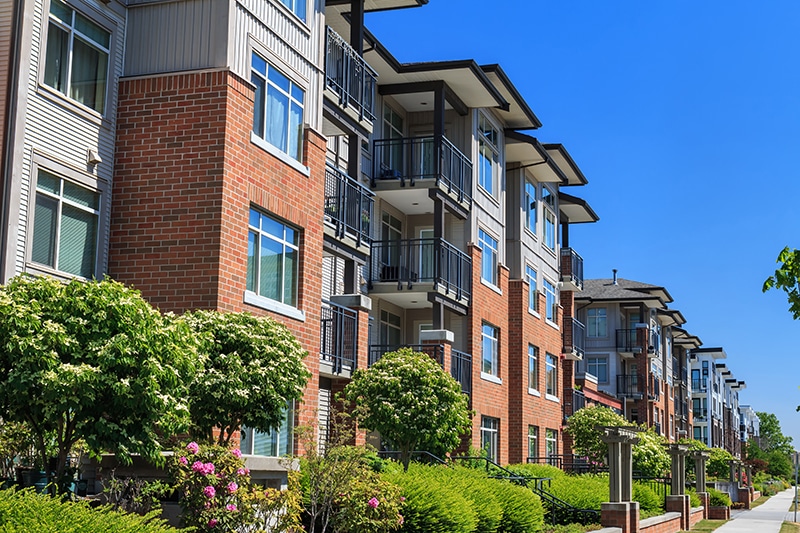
(685,118)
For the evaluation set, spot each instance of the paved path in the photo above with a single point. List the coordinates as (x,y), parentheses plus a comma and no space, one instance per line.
(766,518)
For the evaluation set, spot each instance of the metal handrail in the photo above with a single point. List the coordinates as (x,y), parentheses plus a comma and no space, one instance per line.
(461,369)
(376,351)
(349,76)
(572,265)
(338,336)
(348,205)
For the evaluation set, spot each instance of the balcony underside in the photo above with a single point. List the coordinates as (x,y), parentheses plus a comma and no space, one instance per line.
(419,296)
(345,245)
(418,199)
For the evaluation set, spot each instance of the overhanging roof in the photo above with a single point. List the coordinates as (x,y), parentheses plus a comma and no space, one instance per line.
(670,317)
(566,164)
(531,155)
(518,115)
(576,210)
(379,5)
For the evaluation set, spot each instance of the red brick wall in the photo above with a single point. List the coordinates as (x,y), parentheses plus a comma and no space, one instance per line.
(186,175)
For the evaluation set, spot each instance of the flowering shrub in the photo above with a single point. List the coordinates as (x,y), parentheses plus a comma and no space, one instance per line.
(215,487)
(369,505)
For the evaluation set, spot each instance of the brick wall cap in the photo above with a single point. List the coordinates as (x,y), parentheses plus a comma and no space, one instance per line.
(437,335)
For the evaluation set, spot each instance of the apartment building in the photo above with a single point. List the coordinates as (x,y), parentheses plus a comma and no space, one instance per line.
(749,424)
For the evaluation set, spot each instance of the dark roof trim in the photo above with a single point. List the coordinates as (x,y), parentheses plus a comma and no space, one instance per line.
(533,141)
(347,2)
(496,69)
(568,198)
(568,158)
(639,298)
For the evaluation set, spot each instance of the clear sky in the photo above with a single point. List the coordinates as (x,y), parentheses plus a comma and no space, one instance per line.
(685,118)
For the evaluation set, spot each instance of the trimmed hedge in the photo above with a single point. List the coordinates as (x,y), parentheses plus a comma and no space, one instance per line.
(25,510)
(717,498)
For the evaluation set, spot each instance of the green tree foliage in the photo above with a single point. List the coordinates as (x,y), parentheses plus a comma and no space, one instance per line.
(582,427)
(718,464)
(771,437)
(92,361)
(787,279)
(253,368)
(650,456)
(411,401)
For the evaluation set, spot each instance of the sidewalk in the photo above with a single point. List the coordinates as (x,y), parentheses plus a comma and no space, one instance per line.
(766,518)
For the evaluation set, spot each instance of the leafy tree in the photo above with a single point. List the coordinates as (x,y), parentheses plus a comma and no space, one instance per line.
(787,279)
(411,401)
(582,427)
(650,455)
(718,464)
(92,361)
(771,437)
(253,368)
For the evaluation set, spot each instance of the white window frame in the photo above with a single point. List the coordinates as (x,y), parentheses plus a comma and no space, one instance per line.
(549,218)
(531,211)
(533,289)
(533,370)
(595,317)
(490,351)
(551,305)
(551,376)
(551,442)
(299,8)
(488,144)
(489,246)
(533,441)
(597,361)
(280,439)
(490,437)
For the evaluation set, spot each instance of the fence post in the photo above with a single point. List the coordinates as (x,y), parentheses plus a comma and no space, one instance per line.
(620,511)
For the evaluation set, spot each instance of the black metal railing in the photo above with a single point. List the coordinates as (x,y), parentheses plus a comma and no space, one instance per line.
(348,206)
(574,336)
(630,340)
(461,369)
(699,385)
(338,337)
(655,388)
(700,414)
(376,351)
(349,76)
(417,158)
(659,485)
(557,511)
(578,403)
(412,261)
(570,463)
(572,267)
(657,428)
(630,384)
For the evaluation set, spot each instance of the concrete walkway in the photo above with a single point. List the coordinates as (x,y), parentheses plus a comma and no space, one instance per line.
(766,518)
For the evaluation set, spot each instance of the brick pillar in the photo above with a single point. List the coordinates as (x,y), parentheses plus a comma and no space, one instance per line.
(439,339)
(678,453)
(680,504)
(620,512)
(624,515)
(705,498)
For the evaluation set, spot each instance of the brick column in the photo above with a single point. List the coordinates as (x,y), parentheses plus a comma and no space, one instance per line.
(705,502)
(440,338)
(680,504)
(700,458)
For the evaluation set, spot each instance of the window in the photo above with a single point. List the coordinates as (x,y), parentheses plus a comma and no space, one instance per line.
(488,246)
(275,443)
(389,330)
(530,206)
(488,156)
(272,259)
(549,215)
(551,375)
(490,427)
(551,443)
(598,367)
(551,300)
(533,441)
(65,222)
(596,323)
(393,130)
(489,349)
(76,59)
(278,117)
(533,367)
(533,289)
(698,433)
(298,7)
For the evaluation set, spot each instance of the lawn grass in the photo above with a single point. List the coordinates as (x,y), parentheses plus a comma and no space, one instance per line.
(705,526)
(790,527)
(761,499)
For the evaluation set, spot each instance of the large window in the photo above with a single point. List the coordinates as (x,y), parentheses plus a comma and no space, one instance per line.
(533,441)
(533,367)
(272,259)
(533,289)
(76,59)
(392,129)
(596,323)
(278,115)
(488,156)
(490,350)
(551,298)
(65,222)
(551,374)
(530,206)
(551,442)
(298,7)
(488,245)
(598,367)
(490,429)
(549,215)
(275,443)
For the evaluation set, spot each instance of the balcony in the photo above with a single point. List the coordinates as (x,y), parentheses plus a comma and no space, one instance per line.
(376,351)
(657,428)
(571,270)
(338,339)
(348,210)
(574,339)
(700,414)
(654,394)
(430,165)
(461,370)
(630,341)
(350,79)
(421,265)
(578,403)
(699,385)
(630,386)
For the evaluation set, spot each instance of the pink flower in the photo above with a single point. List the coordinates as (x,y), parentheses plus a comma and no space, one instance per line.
(213,522)
(237,452)
(232,487)
(209,468)
(373,502)
(184,461)
(210,491)
(400,520)
(402,498)
(198,466)
(242,471)
(193,447)
(231,507)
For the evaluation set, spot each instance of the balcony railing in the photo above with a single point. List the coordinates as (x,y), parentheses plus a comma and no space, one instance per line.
(416,158)
(350,77)
(572,268)
(413,261)
(574,337)
(348,206)
(578,403)
(630,340)
(700,414)
(657,428)
(699,385)
(376,351)
(461,370)
(655,388)
(630,384)
(338,337)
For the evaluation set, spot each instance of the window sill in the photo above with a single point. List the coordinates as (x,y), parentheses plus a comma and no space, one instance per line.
(534,392)
(489,196)
(535,313)
(552,324)
(491,378)
(283,156)
(492,286)
(44,270)
(62,100)
(254,299)
(552,398)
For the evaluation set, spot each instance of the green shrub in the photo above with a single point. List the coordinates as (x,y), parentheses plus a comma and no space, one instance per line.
(431,505)
(522,509)
(536,470)
(694,499)
(472,485)
(649,501)
(718,498)
(27,511)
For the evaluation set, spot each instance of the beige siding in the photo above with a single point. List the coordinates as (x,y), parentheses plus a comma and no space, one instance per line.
(6,26)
